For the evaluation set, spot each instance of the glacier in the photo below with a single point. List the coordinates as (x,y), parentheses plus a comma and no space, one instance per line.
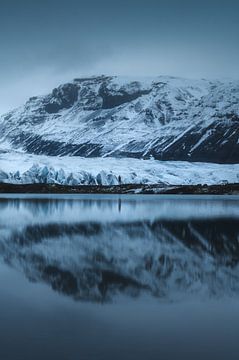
(21,168)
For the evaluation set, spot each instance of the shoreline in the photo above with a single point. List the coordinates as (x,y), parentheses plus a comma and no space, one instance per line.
(156,189)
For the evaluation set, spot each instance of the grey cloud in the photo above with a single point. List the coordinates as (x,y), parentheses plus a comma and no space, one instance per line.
(46,42)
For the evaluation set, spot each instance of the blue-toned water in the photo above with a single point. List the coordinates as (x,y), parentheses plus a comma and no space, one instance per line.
(119,277)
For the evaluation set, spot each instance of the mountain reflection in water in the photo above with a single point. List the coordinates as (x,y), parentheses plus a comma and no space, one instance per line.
(96,248)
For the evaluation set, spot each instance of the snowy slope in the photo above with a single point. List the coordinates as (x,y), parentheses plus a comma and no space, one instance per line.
(24,168)
(164,117)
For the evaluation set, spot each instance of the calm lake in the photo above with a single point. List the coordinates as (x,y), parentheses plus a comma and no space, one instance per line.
(113,277)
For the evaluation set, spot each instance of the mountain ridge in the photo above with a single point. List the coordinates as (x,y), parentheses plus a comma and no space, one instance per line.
(166,118)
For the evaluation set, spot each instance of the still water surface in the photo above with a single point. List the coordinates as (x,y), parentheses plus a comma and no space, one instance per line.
(119,277)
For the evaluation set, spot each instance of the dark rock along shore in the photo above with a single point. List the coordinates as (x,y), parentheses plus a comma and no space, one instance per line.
(120,189)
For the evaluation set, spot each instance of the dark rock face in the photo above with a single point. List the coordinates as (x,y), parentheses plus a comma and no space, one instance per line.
(62,98)
(111,100)
(216,148)
(37,145)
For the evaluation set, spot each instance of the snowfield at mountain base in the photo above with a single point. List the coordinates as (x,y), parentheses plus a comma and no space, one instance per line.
(20,168)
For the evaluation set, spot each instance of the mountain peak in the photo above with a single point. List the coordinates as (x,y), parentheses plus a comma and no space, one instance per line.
(165,117)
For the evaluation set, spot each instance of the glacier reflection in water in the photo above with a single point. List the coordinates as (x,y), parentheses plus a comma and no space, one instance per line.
(123,278)
(97,248)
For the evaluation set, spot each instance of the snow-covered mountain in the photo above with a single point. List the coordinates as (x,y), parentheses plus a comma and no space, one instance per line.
(165,118)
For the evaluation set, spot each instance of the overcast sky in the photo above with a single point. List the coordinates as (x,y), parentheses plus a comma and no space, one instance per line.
(47,42)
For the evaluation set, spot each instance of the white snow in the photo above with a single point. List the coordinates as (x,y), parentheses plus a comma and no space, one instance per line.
(126,123)
(16,167)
